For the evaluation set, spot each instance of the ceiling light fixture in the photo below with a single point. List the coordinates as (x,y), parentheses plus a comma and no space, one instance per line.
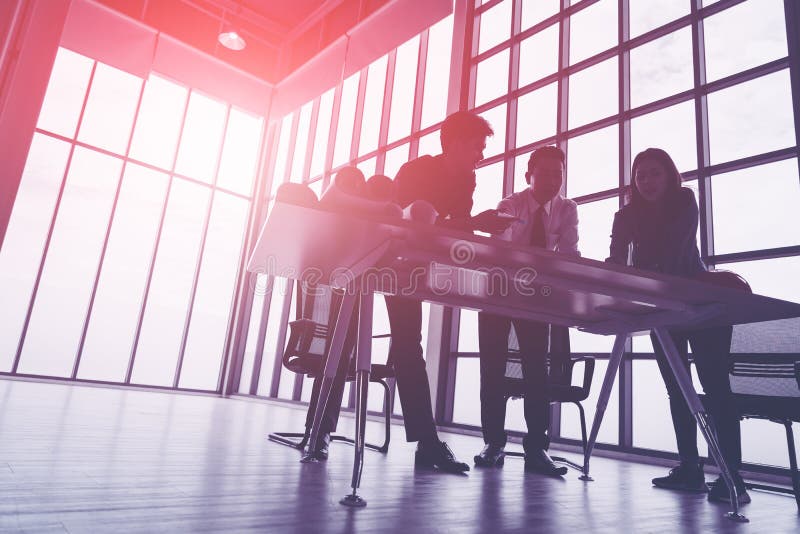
(232,40)
(229,37)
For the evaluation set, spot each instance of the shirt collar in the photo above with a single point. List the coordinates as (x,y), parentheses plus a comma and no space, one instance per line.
(535,204)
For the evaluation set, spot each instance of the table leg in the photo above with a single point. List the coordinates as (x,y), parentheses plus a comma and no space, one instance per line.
(363,367)
(331,364)
(602,401)
(696,407)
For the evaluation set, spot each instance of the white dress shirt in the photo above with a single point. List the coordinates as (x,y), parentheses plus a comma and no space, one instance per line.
(560,221)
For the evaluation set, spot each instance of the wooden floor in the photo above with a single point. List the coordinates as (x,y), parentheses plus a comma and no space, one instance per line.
(84,459)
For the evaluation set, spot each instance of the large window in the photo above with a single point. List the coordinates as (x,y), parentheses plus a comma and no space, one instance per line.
(709,84)
(123,248)
(377,119)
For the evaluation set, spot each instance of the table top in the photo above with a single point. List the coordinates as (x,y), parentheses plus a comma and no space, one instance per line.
(371,252)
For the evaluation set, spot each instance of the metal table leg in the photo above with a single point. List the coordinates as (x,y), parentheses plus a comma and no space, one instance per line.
(363,366)
(696,407)
(331,364)
(602,401)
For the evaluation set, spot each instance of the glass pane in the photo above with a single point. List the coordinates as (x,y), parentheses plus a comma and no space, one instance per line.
(672,129)
(764,442)
(492,78)
(347,114)
(108,118)
(495,26)
(287,377)
(282,154)
(368,166)
(591,343)
(609,429)
(648,14)
(216,284)
(743,36)
(593,162)
(536,115)
(595,227)
(321,134)
(652,423)
(468,331)
(745,221)
(109,338)
(256,316)
(173,274)
(497,119)
(662,67)
(65,93)
(538,55)
(276,296)
(592,30)
(437,72)
(201,138)
(316,187)
(240,152)
(466,398)
(534,12)
(488,187)
(27,230)
(405,81)
(520,166)
(373,106)
(301,144)
(69,271)
(395,158)
(155,136)
(775,278)
(593,93)
(430,144)
(766,118)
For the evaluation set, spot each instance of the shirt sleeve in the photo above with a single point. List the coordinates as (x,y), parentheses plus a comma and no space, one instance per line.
(678,235)
(568,239)
(621,238)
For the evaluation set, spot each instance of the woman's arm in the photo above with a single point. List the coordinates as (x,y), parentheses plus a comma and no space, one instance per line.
(621,238)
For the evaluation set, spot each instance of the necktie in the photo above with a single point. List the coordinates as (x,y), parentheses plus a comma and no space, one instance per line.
(537,229)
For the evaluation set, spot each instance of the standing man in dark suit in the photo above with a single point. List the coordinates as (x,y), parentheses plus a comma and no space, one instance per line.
(545,219)
(447,181)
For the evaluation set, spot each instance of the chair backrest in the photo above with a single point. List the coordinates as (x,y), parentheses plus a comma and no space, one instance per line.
(765,359)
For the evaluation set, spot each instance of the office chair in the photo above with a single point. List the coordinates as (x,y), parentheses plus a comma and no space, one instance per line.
(560,369)
(764,375)
(309,341)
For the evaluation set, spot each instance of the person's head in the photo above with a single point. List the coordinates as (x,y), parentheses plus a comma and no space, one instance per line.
(655,177)
(463,137)
(351,180)
(545,172)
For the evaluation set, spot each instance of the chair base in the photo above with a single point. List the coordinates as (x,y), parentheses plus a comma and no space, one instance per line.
(299,441)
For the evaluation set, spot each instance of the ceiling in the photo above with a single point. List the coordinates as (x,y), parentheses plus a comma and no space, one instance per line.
(281,35)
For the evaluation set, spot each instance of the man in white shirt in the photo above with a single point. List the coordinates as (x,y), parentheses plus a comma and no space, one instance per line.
(548,220)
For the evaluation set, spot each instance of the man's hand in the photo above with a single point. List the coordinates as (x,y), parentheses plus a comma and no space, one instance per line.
(491,222)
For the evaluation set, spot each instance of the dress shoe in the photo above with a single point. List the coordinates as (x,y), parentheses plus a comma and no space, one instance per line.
(436,454)
(320,452)
(538,461)
(491,456)
(688,476)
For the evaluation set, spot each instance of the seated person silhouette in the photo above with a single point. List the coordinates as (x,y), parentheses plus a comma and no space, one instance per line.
(544,219)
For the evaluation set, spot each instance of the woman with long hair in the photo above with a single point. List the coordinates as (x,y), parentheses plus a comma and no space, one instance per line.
(657,231)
